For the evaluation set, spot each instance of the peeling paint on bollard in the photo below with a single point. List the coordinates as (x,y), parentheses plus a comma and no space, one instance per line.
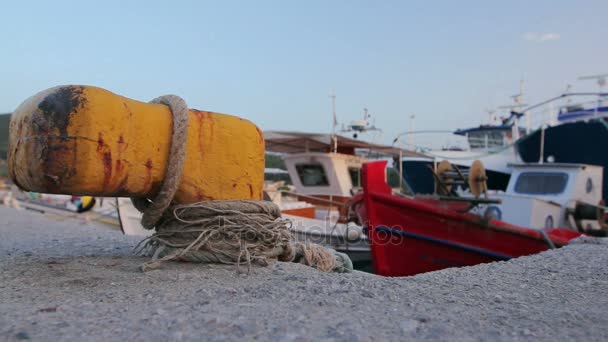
(84,140)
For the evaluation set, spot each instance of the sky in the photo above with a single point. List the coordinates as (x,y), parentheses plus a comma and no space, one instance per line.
(275,62)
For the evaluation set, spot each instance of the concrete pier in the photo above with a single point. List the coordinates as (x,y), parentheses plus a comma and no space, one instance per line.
(65,279)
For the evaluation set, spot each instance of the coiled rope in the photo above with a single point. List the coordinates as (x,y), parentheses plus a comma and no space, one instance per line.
(228,232)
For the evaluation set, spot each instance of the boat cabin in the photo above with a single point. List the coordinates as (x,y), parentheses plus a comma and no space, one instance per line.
(490,137)
(324,165)
(325,174)
(549,195)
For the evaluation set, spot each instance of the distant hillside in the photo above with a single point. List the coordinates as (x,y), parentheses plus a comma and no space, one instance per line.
(4,118)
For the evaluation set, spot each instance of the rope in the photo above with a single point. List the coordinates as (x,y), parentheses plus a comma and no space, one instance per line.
(153,209)
(547,239)
(228,232)
(233,232)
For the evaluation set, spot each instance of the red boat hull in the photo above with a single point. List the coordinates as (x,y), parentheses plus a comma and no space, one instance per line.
(416,235)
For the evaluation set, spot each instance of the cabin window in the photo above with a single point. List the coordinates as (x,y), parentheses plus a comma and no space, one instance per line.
(355,176)
(541,183)
(589,185)
(485,139)
(312,174)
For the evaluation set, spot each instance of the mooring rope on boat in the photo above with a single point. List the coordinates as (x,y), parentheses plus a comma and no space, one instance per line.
(229,232)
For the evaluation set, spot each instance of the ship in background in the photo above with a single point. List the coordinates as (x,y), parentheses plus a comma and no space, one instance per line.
(569,128)
(493,144)
(576,133)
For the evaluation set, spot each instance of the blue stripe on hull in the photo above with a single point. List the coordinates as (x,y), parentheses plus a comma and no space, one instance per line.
(484,252)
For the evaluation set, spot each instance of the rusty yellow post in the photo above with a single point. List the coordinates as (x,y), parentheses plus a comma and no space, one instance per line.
(85,140)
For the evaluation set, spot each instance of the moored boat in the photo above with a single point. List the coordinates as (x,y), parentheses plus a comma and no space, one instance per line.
(325,173)
(491,143)
(411,235)
(578,136)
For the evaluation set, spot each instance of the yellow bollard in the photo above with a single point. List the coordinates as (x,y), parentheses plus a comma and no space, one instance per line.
(85,140)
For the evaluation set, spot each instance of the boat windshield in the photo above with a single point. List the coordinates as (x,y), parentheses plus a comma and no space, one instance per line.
(392,179)
(312,174)
(355,176)
(541,183)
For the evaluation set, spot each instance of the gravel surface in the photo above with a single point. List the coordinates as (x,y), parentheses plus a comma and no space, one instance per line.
(71,280)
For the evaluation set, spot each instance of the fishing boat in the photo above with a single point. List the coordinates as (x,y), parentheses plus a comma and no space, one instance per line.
(545,206)
(493,144)
(569,128)
(575,133)
(324,181)
(325,172)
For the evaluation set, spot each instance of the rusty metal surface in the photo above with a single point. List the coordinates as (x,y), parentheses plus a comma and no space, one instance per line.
(88,141)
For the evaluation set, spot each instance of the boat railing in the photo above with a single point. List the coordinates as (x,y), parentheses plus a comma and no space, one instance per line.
(427,140)
(546,113)
(583,106)
(434,140)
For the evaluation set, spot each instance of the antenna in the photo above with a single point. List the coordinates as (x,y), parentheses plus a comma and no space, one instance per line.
(490,114)
(519,98)
(411,136)
(567,91)
(365,114)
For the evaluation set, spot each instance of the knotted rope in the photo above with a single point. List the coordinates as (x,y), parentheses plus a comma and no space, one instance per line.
(229,232)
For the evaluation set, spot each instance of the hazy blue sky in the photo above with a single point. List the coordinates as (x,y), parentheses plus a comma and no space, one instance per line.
(274,62)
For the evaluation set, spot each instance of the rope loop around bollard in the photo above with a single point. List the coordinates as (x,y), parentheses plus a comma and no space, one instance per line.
(153,209)
(229,232)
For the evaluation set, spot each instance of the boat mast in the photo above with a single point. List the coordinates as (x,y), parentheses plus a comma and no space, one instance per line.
(334,138)
(410,137)
(519,99)
(491,117)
